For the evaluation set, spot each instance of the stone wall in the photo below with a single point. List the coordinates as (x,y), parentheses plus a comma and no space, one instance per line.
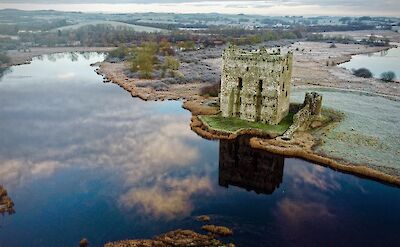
(255,85)
(310,111)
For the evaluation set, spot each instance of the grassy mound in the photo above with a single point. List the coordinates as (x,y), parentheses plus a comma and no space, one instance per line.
(233,124)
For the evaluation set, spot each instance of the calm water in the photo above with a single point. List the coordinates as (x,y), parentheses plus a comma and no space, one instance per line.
(377,62)
(83,159)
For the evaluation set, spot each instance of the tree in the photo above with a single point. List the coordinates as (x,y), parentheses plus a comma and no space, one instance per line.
(187,45)
(171,64)
(363,72)
(4,59)
(166,48)
(121,52)
(144,58)
(388,76)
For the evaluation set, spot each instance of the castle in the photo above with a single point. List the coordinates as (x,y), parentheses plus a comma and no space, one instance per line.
(255,85)
(252,169)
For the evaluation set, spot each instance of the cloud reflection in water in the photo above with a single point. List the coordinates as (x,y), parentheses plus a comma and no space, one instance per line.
(90,127)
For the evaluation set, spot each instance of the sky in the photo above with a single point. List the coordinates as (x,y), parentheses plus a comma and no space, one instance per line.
(266,7)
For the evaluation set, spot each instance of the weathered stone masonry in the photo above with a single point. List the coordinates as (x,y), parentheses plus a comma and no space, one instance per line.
(255,85)
(310,111)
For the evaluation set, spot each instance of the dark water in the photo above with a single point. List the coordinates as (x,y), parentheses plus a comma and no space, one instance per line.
(83,159)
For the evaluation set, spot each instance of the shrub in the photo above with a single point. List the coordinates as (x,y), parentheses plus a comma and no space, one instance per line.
(363,72)
(143,59)
(4,59)
(121,52)
(211,90)
(333,45)
(171,63)
(388,76)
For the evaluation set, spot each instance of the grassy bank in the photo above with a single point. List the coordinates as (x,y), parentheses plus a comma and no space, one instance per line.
(232,125)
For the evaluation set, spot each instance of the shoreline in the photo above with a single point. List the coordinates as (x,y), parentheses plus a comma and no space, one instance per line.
(21,58)
(193,103)
(302,147)
(336,164)
(309,70)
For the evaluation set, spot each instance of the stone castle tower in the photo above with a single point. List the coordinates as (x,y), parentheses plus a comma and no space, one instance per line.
(255,85)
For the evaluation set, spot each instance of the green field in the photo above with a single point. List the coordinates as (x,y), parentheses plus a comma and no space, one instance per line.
(232,125)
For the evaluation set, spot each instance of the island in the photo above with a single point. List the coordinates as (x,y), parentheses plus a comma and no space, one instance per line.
(253,98)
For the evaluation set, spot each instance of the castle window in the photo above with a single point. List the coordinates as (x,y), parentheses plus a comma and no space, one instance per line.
(240,84)
(286,94)
(260,85)
(247,68)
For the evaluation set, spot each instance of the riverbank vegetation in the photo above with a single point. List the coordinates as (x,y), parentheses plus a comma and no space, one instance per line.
(212,90)
(362,72)
(148,60)
(4,59)
(388,76)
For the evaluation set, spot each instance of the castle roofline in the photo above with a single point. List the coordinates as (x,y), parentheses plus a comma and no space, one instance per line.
(236,52)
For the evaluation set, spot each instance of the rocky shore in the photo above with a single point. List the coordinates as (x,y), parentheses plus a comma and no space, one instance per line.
(6,204)
(177,238)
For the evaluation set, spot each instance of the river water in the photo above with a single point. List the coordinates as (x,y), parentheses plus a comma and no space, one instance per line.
(377,62)
(81,158)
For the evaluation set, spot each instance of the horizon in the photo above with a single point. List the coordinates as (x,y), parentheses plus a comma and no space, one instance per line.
(307,8)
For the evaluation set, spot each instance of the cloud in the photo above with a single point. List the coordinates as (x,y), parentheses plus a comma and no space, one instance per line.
(297,212)
(167,198)
(66,76)
(312,175)
(15,172)
(45,168)
(143,152)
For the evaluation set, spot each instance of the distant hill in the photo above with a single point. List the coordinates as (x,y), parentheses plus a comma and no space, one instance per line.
(136,28)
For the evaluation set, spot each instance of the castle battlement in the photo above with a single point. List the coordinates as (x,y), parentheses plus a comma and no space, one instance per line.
(262,55)
(255,85)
